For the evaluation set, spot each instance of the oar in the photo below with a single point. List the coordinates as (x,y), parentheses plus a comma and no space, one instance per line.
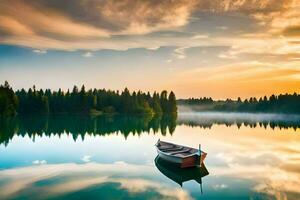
(200,154)
(158,141)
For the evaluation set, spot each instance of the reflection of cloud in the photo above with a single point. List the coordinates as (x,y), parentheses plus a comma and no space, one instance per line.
(74,185)
(137,185)
(141,185)
(219,186)
(265,161)
(267,179)
(269,164)
(87,175)
(260,159)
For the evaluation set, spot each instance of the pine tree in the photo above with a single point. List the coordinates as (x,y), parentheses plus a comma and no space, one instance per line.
(172,107)
(164,101)
(8,100)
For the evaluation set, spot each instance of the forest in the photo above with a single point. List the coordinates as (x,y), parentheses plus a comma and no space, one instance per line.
(283,103)
(82,101)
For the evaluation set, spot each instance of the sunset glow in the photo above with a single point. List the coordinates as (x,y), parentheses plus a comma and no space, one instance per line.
(223,49)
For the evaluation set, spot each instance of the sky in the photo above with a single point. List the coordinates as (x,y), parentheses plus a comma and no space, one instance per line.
(217,48)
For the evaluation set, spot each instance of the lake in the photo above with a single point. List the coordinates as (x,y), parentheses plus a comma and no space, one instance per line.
(250,156)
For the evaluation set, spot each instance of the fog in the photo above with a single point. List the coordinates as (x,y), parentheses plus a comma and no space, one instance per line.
(207,119)
(233,116)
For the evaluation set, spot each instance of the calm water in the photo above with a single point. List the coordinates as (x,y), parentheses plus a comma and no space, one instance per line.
(250,156)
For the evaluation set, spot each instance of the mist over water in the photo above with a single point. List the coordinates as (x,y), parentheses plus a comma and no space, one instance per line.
(250,117)
(207,119)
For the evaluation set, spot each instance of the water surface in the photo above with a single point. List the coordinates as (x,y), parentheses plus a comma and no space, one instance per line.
(250,156)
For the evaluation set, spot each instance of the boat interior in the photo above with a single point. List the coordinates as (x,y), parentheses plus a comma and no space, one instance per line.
(175,150)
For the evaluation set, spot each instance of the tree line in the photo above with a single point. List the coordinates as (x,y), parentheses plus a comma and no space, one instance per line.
(283,103)
(82,101)
(195,101)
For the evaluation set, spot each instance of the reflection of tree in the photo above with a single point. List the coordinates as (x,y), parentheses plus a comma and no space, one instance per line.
(205,123)
(80,126)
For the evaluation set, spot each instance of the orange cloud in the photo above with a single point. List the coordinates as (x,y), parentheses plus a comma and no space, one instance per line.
(240,80)
(92,24)
(13,26)
(292,31)
(39,22)
(40,25)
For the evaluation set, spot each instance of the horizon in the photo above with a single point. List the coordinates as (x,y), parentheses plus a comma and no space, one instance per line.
(215,49)
(144,91)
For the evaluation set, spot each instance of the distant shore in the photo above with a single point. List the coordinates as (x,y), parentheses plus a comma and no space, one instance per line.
(283,103)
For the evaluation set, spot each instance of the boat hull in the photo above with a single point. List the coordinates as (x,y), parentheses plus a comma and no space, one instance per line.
(172,159)
(191,161)
(179,155)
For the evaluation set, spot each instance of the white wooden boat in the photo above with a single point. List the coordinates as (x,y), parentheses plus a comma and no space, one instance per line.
(180,155)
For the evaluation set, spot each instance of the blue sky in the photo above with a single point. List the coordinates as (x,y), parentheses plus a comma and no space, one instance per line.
(196,48)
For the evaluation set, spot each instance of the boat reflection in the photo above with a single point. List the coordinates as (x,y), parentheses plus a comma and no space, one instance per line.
(180,175)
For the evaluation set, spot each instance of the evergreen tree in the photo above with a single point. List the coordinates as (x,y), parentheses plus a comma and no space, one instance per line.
(155,104)
(172,107)
(8,100)
(36,101)
(164,101)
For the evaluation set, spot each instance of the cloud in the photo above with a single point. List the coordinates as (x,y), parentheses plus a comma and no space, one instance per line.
(253,71)
(39,162)
(283,20)
(180,53)
(87,54)
(112,24)
(51,24)
(40,51)
(293,31)
(246,6)
(266,31)
(199,36)
(227,56)
(222,27)
(86,158)
(240,79)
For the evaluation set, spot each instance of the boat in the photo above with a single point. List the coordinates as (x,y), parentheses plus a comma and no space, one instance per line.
(180,155)
(180,175)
